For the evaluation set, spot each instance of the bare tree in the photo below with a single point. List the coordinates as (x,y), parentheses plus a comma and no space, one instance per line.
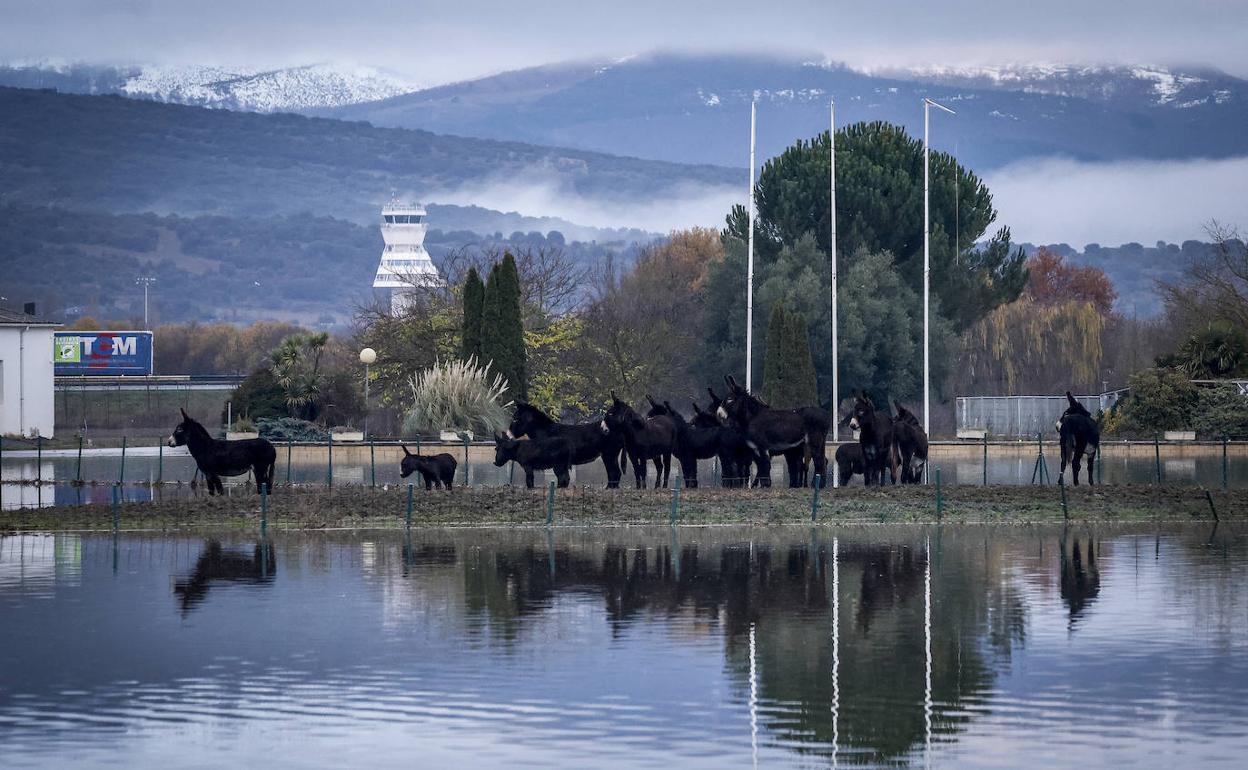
(1216,287)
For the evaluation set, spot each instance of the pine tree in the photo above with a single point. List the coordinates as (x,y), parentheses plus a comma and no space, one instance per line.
(474,313)
(502,333)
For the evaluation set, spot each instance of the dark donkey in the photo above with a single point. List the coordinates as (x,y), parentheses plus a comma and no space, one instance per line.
(1079,436)
(911,441)
(539,454)
(799,434)
(705,437)
(436,469)
(217,458)
(645,438)
(586,439)
(875,436)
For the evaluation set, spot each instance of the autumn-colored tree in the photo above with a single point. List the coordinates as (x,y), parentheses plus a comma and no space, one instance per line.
(1051,281)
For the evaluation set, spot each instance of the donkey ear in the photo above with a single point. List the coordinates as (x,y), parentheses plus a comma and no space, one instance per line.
(714,397)
(696,409)
(732,381)
(185,416)
(1071,398)
(653,403)
(405,450)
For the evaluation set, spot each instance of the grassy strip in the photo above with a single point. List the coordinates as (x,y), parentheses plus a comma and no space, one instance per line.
(315,507)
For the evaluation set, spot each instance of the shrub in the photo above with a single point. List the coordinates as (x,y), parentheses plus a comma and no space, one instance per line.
(1221,411)
(457,395)
(290,429)
(1160,400)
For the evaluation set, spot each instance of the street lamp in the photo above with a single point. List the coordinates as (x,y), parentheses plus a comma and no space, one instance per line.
(367,357)
(927,271)
(144,281)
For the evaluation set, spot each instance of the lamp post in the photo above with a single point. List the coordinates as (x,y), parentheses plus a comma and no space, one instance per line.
(927,271)
(367,357)
(144,281)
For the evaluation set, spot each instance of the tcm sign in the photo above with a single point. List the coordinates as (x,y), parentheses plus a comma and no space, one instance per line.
(102,353)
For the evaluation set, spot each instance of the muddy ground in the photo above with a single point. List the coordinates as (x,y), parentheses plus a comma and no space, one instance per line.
(354,506)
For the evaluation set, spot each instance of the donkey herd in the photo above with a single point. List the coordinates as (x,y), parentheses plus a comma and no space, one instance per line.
(740,430)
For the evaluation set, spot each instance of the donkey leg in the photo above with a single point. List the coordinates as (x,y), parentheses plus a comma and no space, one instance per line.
(658,471)
(1091,458)
(611,461)
(1075,465)
(528,477)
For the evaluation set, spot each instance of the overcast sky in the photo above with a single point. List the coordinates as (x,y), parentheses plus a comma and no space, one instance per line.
(430,42)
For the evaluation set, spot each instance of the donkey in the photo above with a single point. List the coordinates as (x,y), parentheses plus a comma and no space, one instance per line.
(705,437)
(1079,436)
(803,430)
(436,470)
(849,462)
(587,439)
(875,436)
(540,454)
(652,438)
(911,445)
(216,458)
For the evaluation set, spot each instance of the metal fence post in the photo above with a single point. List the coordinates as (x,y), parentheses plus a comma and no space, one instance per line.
(264,509)
(409,505)
(814,500)
(467,477)
(121,476)
(985,458)
(160,462)
(550,504)
(372,461)
(1224,474)
(289,443)
(1061,483)
(1212,510)
(940,499)
(329,473)
(116,505)
(1157,455)
(675,514)
(39,459)
(78,472)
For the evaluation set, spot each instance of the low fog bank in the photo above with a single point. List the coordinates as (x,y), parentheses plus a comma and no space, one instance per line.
(1061,200)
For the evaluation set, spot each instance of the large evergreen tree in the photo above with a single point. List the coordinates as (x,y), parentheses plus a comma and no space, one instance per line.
(502,333)
(879,198)
(775,363)
(474,314)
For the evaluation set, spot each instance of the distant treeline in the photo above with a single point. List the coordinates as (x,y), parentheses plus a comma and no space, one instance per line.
(312,270)
(1135,269)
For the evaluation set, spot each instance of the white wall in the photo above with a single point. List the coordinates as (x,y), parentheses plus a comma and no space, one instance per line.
(27,403)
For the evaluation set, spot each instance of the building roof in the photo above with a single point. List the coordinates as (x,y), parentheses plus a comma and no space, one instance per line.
(10,317)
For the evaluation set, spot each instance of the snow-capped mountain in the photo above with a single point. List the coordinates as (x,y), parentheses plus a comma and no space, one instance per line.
(291,89)
(693,108)
(1119,84)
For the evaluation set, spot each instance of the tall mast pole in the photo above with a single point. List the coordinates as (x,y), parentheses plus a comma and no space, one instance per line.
(749,279)
(836,389)
(927,269)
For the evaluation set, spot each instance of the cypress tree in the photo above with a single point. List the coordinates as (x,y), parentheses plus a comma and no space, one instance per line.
(474,314)
(800,379)
(502,333)
(775,364)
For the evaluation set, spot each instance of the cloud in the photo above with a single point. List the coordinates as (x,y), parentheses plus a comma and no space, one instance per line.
(1067,201)
(543,194)
(439,41)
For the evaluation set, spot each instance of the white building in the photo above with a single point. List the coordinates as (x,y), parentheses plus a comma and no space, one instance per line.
(26,381)
(405,269)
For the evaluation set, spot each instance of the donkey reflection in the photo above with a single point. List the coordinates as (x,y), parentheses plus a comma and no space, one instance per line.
(1081,579)
(217,565)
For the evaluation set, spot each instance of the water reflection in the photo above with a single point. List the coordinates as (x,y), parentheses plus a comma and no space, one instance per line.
(1081,583)
(219,565)
(704,647)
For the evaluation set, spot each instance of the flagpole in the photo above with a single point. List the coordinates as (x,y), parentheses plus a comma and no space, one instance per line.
(927,271)
(749,276)
(836,390)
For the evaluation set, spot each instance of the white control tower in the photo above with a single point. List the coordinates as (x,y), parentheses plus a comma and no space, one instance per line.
(405,268)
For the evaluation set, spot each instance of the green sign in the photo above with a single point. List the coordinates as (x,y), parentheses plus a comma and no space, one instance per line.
(67,350)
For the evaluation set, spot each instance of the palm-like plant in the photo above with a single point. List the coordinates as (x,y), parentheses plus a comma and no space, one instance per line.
(297,369)
(459,396)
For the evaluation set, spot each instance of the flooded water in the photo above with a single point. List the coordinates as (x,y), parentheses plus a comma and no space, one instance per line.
(697,647)
(963,464)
